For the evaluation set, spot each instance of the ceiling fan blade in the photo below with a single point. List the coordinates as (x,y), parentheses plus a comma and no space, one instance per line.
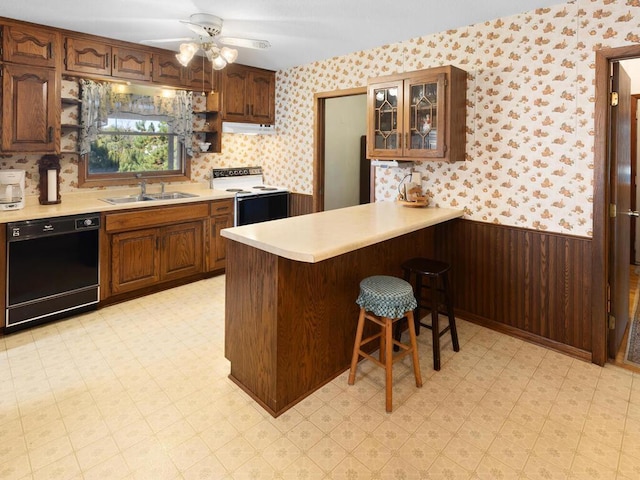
(195,28)
(168,40)
(245,42)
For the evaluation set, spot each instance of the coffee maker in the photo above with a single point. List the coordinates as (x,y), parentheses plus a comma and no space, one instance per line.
(11,189)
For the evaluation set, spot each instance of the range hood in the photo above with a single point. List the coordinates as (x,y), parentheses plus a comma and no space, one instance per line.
(248,128)
(392,163)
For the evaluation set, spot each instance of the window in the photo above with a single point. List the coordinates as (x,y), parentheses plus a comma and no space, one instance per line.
(131,132)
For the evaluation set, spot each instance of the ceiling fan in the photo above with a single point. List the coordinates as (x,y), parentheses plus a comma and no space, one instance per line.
(208,28)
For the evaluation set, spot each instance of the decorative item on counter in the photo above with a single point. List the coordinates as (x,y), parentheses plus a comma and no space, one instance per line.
(410,193)
(49,168)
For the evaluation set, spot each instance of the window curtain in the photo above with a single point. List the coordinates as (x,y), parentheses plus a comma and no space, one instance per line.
(99,101)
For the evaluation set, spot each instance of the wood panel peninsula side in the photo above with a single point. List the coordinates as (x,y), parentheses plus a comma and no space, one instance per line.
(291,286)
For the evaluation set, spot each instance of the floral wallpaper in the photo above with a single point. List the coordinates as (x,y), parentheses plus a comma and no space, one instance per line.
(530,109)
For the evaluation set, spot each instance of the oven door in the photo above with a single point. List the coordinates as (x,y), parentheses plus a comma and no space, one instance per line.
(261,208)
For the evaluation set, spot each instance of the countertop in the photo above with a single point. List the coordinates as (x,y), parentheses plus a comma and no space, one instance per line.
(83,202)
(317,236)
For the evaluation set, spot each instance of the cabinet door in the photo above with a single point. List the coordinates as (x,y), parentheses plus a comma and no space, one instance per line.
(29,46)
(87,56)
(222,217)
(167,70)
(182,250)
(134,260)
(201,78)
(130,63)
(235,99)
(425,118)
(262,87)
(30,109)
(384,123)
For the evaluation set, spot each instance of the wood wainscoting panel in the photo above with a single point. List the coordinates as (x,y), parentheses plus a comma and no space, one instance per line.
(300,204)
(531,284)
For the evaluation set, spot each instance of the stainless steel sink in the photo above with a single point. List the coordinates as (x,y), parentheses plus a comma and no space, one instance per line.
(168,196)
(148,197)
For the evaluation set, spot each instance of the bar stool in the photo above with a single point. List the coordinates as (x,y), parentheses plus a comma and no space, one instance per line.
(384,300)
(432,271)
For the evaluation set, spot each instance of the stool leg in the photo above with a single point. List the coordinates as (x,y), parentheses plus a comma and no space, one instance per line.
(388,364)
(452,319)
(356,348)
(414,348)
(416,312)
(435,327)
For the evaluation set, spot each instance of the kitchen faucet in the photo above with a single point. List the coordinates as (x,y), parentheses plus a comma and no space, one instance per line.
(143,187)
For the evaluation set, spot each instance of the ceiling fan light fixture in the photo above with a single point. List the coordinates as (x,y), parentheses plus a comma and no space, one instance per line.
(218,63)
(187,51)
(229,54)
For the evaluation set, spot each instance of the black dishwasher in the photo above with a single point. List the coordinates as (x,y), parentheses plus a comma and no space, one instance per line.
(52,269)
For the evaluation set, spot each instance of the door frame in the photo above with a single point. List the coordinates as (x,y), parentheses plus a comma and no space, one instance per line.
(319,100)
(601,199)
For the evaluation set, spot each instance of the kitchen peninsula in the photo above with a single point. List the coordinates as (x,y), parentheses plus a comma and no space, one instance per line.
(291,315)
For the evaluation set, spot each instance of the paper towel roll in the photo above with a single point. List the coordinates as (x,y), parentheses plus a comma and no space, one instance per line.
(52,186)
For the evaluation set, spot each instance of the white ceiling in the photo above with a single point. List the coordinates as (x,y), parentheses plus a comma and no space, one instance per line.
(300,31)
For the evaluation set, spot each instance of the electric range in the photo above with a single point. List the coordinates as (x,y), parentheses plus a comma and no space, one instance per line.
(254,201)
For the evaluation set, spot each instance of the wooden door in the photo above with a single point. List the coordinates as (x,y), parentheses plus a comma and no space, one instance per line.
(182,250)
(30,109)
(262,88)
(131,63)
(425,117)
(134,260)
(234,94)
(29,46)
(167,70)
(222,217)
(87,56)
(620,164)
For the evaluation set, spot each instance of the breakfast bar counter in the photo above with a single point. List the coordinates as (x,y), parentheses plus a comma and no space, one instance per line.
(291,285)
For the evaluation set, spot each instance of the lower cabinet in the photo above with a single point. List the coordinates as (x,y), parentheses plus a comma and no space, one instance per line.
(221,217)
(145,257)
(154,246)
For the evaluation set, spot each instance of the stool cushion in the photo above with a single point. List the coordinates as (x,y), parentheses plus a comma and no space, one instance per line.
(386,296)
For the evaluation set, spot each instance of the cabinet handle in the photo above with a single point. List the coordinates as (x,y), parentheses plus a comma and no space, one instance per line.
(406,140)
(50,134)
(107,61)
(115,60)
(51,52)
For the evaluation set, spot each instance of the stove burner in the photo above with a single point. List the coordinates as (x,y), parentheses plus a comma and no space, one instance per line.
(242,191)
(269,188)
(234,190)
(259,187)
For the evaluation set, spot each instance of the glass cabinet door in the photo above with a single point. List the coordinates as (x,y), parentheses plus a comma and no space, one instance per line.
(385,121)
(425,117)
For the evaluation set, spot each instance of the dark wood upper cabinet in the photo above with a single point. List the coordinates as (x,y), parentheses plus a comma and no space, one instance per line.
(167,70)
(87,56)
(248,94)
(130,63)
(29,46)
(30,109)
(418,115)
(201,77)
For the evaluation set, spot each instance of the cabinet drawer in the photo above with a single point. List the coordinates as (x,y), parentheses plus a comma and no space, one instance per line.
(221,207)
(150,217)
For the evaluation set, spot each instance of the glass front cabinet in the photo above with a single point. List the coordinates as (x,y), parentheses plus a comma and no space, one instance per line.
(418,115)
